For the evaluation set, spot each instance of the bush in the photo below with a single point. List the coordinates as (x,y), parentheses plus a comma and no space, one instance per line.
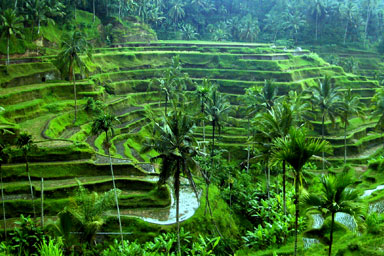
(51,248)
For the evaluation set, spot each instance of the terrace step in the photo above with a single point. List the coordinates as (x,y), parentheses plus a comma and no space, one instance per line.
(14,95)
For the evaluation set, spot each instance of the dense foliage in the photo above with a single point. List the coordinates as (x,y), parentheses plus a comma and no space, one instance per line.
(288,22)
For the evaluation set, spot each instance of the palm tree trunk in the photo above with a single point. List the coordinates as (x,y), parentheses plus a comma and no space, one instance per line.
(317,18)
(115,190)
(94,11)
(42,202)
(345,143)
(284,189)
(15,4)
(346,32)
(38,27)
(30,185)
(8,51)
(297,195)
(366,24)
(3,203)
(177,193)
(74,92)
(331,234)
(322,137)
(119,9)
(204,133)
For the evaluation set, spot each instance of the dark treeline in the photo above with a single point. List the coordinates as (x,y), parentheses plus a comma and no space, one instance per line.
(286,21)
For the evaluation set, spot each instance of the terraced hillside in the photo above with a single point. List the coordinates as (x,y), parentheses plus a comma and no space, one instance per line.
(37,101)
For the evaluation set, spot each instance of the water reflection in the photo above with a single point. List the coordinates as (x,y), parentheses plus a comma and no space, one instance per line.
(166,216)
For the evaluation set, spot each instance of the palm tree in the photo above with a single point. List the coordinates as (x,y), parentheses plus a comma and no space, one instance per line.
(250,30)
(173,140)
(176,12)
(327,98)
(293,21)
(297,150)
(202,92)
(350,105)
(263,99)
(216,108)
(276,123)
(69,58)
(335,197)
(105,123)
(40,11)
(318,10)
(172,83)
(11,26)
(87,214)
(349,12)
(25,143)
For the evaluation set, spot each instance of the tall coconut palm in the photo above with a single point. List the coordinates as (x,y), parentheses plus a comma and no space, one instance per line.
(202,92)
(350,105)
(173,140)
(25,143)
(318,9)
(326,97)
(69,59)
(105,123)
(336,196)
(172,83)
(297,150)
(216,109)
(176,12)
(11,26)
(262,99)
(349,11)
(276,123)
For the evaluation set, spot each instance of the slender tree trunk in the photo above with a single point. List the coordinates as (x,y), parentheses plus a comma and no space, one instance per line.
(331,234)
(297,195)
(177,193)
(346,32)
(322,137)
(3,203)
(204,133)
(366,24)
(345,143)
(284,189)
(74,92)
(15,4)
(115,190)
(94,11)
(38,27)
(119,9)
(42,202)
(317,18)
(8,51)
(30,185)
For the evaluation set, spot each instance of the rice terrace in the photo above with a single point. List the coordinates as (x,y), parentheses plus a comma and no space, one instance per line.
(192,127)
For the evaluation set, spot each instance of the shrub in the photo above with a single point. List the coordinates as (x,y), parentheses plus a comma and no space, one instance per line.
(51,248)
